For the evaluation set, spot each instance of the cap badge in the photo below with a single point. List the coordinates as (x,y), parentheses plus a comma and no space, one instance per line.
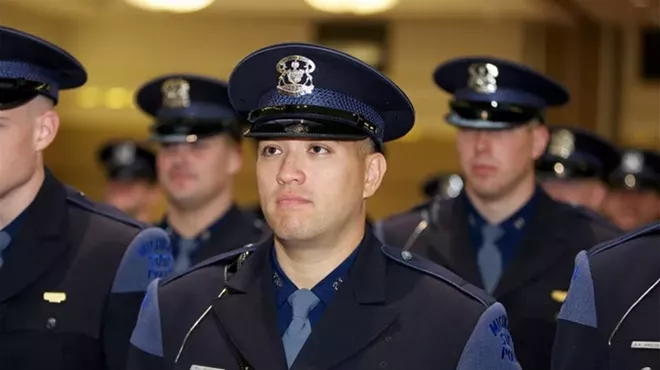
(124,154)
(297,128)
(632,162)
(562,143)
(176,93)
(483,78)
(295,75)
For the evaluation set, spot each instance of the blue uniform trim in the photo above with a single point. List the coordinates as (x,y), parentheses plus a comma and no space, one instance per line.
(147,335)
(580,304)
(439,272)
(655,227)
(149,256)
(490,346)
(76,197)
(224,257)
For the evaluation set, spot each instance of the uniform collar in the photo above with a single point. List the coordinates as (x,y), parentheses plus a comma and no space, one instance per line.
(224,221)
(516,222)
(325,289)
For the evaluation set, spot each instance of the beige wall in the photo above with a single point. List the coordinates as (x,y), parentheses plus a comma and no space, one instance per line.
(640,100)
(124,54)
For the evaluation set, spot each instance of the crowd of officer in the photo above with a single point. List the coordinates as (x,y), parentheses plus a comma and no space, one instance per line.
(540,253)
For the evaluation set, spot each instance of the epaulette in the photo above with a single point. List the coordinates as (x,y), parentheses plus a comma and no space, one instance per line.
(642,231)
(427,267)
(233,258)
(596,217)
(79,199)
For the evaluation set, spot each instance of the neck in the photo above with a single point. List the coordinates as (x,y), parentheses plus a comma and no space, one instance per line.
(18,199)
(189,223)
(307,262)
(497,209)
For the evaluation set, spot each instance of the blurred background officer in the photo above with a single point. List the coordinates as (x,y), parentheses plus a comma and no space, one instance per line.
(575,166)
(610,318)
(72,272)
(336,296)
(130,170)
(200,154)
(635,189)
(503,232)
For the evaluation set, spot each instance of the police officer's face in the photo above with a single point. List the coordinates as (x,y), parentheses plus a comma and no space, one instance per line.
(588,193)
(310,189)
(629,209)
(25,131)
(192,174)
(495,162)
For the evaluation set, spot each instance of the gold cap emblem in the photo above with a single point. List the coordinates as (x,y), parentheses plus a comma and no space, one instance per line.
(295,75)
(562,143)
(483,78)
(176,93)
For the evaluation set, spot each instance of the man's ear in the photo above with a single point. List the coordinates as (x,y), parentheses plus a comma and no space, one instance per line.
(540,138)
(376,166)
(46,123)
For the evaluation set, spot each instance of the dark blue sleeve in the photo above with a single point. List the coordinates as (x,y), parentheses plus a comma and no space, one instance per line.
(578,344)
(490,347)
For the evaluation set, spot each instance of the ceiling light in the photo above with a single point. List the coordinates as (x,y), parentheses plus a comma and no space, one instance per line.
(174,6)
(360,7)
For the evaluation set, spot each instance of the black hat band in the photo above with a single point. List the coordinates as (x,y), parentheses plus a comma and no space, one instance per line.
(16,92)
(496,112)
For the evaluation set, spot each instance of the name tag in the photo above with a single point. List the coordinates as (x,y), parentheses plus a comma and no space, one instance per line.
(645,345)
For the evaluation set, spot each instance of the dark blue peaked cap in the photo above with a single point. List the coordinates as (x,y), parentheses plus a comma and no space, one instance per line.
(187,106)
(494,93)
(305,90)
(30,66)
(574,153)
(127,160)
(636,169)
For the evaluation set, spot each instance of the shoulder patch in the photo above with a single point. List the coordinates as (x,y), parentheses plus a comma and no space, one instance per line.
(642,231)
(148,257)
(425,266)
(580,305)
(79,199)
(225,258)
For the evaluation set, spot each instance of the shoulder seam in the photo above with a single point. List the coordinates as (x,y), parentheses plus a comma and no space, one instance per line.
(438,276)
(213,260)
(81,201)
(624,238)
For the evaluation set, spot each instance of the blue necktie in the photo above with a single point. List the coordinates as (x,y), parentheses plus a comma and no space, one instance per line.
(184,256)
(489,257)
(5,239)
(303,302)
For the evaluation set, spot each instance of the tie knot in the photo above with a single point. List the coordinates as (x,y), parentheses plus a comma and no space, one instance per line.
(491,233)
(303,302)
(187,246)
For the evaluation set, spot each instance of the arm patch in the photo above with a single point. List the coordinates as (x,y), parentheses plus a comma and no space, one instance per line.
(580,305)
(147,335)
(149,256)
(490,346)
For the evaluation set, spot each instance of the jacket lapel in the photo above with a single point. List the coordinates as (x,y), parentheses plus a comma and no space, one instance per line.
(448,240)
(40,241)
(356,316)
(544,242)
(248,314)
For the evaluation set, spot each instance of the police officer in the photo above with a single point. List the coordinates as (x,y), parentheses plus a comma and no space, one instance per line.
(503,232)
(72,272)
(324,293)
(130,170)
(200,154)
(635,189)
(609,320)
(575,166)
